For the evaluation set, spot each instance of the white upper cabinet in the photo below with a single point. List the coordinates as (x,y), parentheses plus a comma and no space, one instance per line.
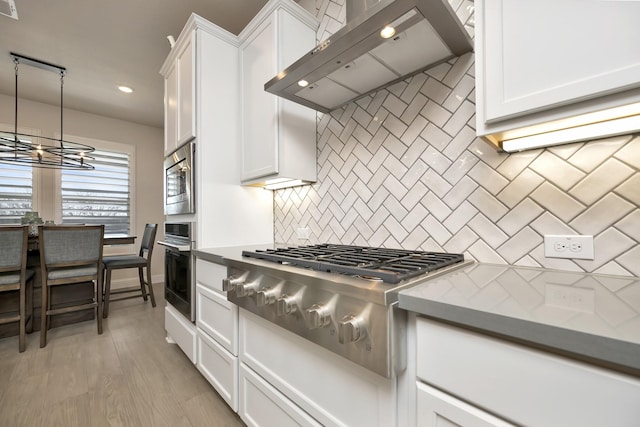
(186,92)
(171,109)
(180,94)
(278,136)
(543,60)
(202,101)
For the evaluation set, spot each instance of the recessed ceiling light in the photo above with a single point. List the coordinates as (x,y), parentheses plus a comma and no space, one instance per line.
(125,89)
(303,83)
(387,32)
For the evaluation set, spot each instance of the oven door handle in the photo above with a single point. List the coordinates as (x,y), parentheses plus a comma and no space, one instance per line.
(181,248)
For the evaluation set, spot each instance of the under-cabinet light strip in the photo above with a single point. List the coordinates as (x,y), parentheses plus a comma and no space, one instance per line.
(581,133)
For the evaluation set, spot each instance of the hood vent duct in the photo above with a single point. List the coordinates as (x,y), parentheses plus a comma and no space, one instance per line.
(357,60)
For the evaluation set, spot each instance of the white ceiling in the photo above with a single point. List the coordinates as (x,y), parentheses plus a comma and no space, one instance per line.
(103,44)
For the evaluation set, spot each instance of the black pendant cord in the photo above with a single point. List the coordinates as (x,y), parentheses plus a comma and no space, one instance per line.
(15,117)
(61,114)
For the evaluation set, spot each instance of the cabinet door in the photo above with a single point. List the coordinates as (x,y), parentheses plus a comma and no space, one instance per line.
(217,317)
(210,275)
(437,409)
(180,331)
(171,111)
(534,59)
(219,367)
(262,405)
(259,108)
(186,92)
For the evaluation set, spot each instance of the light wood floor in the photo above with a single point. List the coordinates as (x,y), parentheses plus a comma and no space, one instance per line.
(128,376)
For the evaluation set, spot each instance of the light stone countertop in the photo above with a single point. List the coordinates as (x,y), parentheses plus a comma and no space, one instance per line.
(591,317)
(218,255)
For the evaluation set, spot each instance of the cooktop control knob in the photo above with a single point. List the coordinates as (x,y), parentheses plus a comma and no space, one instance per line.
(266,296)
(246,289)
(230,283)
(319,316)
(349,329)
(286,304)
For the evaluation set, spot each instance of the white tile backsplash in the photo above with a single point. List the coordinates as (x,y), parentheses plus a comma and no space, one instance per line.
(403,168)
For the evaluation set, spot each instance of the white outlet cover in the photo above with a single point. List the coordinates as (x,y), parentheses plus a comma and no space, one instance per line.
(303,233)
(552,242)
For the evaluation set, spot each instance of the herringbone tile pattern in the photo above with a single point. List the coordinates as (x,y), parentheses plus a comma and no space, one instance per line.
(403,168)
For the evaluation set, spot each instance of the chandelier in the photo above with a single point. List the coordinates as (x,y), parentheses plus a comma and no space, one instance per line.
(40,151)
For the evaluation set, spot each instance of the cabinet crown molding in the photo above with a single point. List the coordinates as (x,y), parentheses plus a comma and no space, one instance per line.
(197,22)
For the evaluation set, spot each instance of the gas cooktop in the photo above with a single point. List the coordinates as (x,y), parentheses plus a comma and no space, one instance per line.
(388,265)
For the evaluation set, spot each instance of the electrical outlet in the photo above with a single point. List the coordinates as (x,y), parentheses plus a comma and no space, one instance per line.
(303,233)
(568,246)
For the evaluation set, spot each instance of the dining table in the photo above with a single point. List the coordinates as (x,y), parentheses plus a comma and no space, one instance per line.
(108,240)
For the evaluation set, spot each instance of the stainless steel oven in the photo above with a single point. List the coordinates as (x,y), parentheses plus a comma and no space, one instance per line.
(179,271)
(179,182)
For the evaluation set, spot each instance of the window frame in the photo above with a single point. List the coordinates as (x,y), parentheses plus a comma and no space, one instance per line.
(130,149)
(36,173)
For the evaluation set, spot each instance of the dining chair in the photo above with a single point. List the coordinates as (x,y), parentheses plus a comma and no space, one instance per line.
(14,276)
(70,254)
(141,261)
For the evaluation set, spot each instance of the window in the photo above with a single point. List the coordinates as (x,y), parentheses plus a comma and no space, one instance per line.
(102,195)
(16,191)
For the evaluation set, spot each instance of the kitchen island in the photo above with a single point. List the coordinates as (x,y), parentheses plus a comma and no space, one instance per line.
(525,346)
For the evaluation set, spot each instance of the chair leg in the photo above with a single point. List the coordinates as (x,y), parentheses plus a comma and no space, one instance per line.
(107,293)
(29,308)
(22,317)
(43,315)
(153,298)
(99,301)
(141,277)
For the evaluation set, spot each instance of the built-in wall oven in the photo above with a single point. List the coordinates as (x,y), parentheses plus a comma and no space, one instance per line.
(179,271)
(179,182)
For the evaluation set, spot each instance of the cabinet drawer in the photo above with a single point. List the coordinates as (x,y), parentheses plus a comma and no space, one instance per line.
(322,383)
(436,409)
(217,317)
(219,367)
(262,405)
(210,275)
(522,384)
(180,330)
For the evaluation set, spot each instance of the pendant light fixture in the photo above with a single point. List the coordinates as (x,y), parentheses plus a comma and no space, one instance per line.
(40,151)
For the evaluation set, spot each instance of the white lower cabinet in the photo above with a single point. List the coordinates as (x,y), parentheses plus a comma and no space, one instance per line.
(264,406)
(438,409)
(331,389)
(519,384)
(219,367)
(181,331)
(217,332)
(217,317)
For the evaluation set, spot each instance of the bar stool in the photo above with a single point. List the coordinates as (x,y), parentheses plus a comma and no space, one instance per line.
(14,276)
(70,254)
(140,261)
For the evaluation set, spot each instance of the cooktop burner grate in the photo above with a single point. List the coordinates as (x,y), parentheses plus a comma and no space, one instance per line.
(389,265)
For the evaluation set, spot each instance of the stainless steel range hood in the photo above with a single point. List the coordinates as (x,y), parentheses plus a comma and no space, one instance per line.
(357,60)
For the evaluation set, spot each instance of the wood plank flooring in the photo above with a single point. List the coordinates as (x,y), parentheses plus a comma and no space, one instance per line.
(128,376)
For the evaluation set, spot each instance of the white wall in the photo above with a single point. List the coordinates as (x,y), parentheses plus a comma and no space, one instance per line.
(148,143)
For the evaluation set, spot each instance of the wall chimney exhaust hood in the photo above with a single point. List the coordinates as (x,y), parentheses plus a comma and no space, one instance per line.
(360,58)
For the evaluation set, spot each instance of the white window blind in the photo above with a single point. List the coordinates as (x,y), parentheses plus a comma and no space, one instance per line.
(100,196)
(16,192)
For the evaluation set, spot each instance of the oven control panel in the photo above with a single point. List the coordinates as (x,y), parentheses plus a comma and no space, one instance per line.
(351,327)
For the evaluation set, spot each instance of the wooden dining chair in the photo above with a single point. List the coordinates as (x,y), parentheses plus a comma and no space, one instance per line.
(70,254)
(141,261)
(14,276)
